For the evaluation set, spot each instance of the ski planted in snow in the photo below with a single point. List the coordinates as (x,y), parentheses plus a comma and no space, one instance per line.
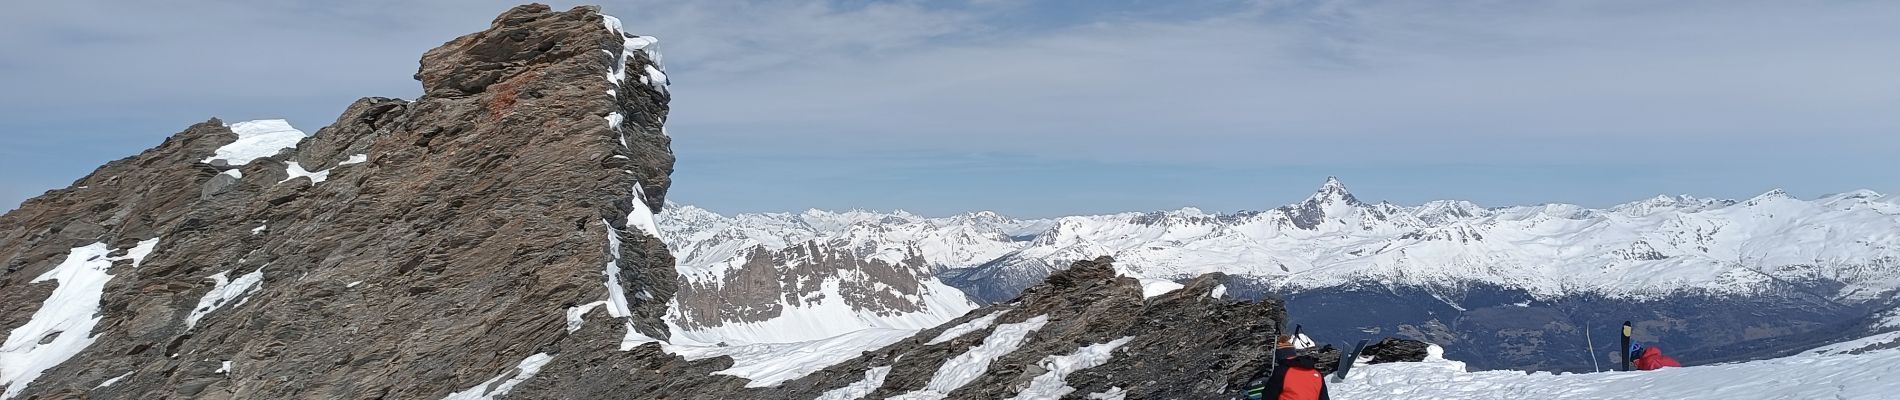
(1346,361)
(1626,345)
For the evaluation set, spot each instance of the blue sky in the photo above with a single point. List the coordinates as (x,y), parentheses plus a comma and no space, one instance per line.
(1042,108)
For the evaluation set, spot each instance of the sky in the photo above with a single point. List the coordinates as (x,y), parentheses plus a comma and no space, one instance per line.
(1047,108)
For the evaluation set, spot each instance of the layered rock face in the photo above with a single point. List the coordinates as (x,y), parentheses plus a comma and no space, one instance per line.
(409,250)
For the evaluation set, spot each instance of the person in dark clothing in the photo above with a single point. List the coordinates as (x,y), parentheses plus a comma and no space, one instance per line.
(1294,375)
(1650,358)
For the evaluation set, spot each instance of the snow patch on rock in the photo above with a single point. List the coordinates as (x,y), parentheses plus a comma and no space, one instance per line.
(873,378)
(1113,393)
(496,387)
(223,291)
(974,325)
(770,364)
(294,170)
(109,382)
(257,139)
(1051,385)
(970,365)
(62,326)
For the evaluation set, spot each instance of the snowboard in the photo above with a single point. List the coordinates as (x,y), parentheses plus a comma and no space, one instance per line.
(1347,360)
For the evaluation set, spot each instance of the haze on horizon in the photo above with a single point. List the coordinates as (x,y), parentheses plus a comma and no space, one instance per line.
(1038,109)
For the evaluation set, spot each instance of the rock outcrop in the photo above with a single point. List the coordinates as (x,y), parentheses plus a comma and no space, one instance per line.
(1396,350)
(409,250)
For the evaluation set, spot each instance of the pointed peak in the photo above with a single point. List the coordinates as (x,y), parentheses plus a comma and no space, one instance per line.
(1332,182)
(1333,191)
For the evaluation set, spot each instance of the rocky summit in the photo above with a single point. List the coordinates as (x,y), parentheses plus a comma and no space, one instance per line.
(495,238)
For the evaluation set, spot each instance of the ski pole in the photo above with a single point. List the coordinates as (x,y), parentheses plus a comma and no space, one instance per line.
(1590,348)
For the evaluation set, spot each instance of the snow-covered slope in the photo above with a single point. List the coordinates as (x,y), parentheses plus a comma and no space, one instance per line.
(1644,249)
(1811,375)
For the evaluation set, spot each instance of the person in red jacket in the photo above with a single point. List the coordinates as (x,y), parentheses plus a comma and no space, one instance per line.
(1650,358)
(1295,377)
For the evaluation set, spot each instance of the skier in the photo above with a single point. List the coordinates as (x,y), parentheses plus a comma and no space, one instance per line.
(1650,358)
(1294,377)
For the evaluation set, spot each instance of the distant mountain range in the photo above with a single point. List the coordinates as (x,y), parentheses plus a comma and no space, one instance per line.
(1841,250)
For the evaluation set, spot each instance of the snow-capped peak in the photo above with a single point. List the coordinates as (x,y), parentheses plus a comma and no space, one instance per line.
(1333,192)
(1772,195)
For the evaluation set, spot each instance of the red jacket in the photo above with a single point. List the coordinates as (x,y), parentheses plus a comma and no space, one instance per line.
(1295,378)
(1303,383)
(1653,358)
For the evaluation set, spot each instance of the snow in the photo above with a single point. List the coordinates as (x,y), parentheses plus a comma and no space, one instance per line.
(967,367)
(1151,287)
(1301,341)
(1218,292)
(1050,385)
(873,378)
(1806,376)
(617,72)
(109,382)
(234,174)
(257,139)
(353,284)
(642,216)
(224,367)
(774,363)
(1113,393)
(223,290)
(491,389)
(295,170)
(974,325)
(62,326)
(575,313)
(617,306)
(657,76)
(259,230)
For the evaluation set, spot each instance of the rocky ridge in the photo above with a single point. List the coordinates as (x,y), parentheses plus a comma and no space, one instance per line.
(408,250)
